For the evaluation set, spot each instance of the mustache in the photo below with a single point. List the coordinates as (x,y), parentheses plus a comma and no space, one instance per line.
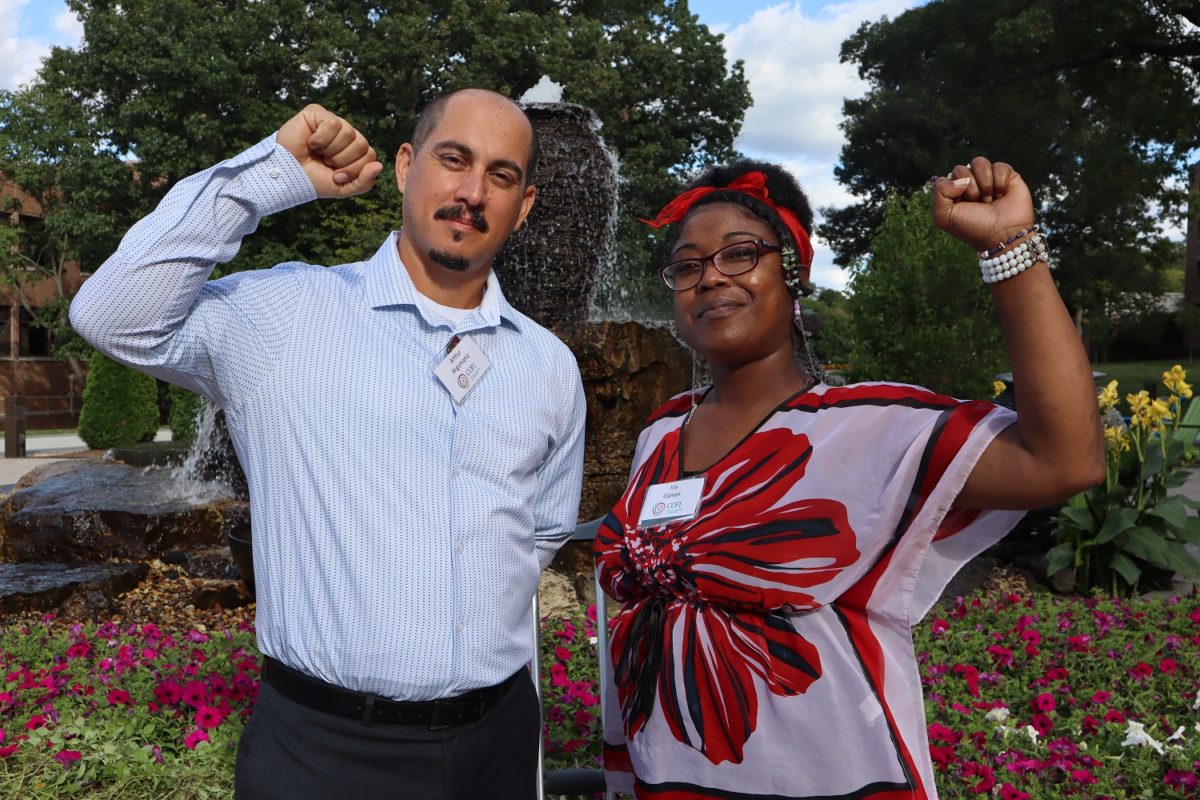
(462,213)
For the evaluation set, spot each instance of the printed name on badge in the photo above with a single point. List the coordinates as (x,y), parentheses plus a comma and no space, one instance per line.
(671,502)
(462,369)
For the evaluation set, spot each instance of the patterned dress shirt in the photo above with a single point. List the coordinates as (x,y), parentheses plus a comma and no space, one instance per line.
(398,535)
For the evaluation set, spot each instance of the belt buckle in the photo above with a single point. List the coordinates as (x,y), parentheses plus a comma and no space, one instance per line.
(452,713)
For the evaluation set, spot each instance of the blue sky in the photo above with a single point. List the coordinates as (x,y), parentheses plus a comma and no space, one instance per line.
(789,49)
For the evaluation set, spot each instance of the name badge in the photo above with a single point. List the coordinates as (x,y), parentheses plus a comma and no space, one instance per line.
(462,369)
(671,502)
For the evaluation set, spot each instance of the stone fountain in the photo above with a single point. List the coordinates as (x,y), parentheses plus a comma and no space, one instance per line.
(106,518)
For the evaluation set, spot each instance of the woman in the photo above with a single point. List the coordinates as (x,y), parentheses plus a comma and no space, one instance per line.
(779,537)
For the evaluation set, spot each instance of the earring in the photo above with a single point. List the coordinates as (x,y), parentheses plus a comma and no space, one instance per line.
(806,357)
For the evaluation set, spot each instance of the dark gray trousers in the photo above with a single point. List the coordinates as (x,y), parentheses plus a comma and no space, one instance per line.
(291,752)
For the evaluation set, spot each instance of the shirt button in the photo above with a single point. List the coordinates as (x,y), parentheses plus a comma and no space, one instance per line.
(461,548)
(274,173)
(457,472)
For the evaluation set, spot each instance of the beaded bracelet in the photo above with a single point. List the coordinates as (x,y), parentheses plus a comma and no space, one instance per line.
(1021,234)
(1014,261)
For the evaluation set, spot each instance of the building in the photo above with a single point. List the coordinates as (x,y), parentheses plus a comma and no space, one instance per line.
(49,388)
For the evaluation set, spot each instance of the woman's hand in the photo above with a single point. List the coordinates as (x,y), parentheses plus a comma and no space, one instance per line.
(982,204)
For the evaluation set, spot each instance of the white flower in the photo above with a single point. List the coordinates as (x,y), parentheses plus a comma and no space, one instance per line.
(997,714)
(1178,734)
(1032,733)
(1196,704)
(1135,734)
(593,640)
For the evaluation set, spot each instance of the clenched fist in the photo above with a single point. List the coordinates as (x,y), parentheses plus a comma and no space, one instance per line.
(335,156)
(982,204)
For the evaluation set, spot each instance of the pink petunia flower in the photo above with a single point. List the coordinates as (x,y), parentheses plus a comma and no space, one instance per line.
(1181,779)
(168,693)
(1044,702)
(194,738)
(119,697)
(67,757)
(208,717)
(1010,792)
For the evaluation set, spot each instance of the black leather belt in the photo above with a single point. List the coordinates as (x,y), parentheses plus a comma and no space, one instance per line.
(435,714)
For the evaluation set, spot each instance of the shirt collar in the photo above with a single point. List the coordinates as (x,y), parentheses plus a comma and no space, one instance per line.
(389,284)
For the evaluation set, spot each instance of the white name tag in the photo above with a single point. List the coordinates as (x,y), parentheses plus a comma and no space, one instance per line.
(462,369)
(671,502)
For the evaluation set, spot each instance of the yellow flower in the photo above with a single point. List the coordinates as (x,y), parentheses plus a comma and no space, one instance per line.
(1107,397)
(1175,379)
(998,388)
(1116,439)
(1145,413)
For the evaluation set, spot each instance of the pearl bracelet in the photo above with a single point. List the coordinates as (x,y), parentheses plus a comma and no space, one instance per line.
(1014,261)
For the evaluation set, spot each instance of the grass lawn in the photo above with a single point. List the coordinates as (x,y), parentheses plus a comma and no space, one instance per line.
(1132,375)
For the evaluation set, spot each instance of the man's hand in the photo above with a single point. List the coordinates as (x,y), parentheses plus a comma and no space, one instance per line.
(982,204)
(336,157)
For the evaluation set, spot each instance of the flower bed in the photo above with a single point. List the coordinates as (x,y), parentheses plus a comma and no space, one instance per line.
(1032,698)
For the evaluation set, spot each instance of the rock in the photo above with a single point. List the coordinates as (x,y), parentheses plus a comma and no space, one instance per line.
(556,595)
(88,510)
(215,593)
(628,369)
(211,562)
(45,586)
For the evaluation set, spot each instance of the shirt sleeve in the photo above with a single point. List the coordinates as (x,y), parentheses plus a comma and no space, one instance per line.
(150,305)
(560,479)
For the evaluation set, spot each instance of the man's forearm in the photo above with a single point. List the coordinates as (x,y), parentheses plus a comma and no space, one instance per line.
(142,295)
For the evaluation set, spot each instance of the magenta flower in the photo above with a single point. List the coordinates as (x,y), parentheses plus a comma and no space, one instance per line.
(939,626)
(67,757)
(1042,724)
(562,654)
(1168,666)
(208,717)
(194,738)
(195,694)
(1181,779)
(1010,792)
(986,778)
(1101,697)
(1044,702)
(168,693)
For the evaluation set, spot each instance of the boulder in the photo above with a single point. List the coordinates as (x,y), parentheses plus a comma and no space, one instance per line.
(78,590)
(84,510)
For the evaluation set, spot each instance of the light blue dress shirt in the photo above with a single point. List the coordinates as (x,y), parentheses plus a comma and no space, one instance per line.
(398,535)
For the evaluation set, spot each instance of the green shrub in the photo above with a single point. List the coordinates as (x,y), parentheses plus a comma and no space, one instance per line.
(185,413)
(919,311)
(120,405)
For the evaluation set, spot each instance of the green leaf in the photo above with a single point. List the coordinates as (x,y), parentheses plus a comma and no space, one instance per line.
(1060,557)
(1171,511)
(1116,522)
(1147,544)
(1081,518)
(1126,569)
(1179,559)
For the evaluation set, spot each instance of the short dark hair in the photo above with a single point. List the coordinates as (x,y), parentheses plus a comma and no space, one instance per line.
(432,114)
(782,188)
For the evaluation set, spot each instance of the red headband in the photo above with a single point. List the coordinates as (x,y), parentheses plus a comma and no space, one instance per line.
(753,184)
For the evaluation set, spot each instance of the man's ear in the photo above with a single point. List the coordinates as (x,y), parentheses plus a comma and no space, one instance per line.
(404,160)
(526,205)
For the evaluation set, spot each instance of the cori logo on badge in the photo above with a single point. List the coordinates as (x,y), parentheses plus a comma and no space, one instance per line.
(671,502)
(463,381)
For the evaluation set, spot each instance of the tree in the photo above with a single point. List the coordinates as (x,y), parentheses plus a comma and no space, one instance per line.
(120,405)
(46,150)
(181,84)
(920,312)
(1094,101)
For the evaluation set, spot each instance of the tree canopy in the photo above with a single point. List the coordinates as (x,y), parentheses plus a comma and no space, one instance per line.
(179,85)
(1095,102)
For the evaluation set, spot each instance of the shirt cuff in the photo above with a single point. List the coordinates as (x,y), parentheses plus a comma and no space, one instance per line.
(269,178)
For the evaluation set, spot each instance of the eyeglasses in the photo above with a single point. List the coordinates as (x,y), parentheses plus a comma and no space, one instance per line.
(734,259)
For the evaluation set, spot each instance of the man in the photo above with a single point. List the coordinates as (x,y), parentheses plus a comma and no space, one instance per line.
(413,447)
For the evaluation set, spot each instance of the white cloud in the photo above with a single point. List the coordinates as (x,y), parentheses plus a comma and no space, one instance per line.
(70,27)
(798,85)
(19,57)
